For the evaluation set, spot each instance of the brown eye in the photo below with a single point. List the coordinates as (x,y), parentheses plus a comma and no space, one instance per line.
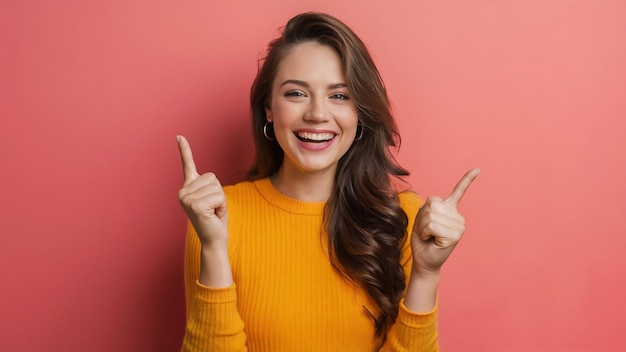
(340,96)
(294,93)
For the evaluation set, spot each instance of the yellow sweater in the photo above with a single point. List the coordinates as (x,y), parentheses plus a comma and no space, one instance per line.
(286,295)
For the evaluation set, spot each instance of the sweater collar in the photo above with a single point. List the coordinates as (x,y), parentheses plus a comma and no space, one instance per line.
(272,195)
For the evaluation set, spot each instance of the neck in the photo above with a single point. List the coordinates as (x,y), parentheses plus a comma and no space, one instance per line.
(307,187)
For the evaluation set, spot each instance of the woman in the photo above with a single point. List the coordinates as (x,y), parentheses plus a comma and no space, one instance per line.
(313,252)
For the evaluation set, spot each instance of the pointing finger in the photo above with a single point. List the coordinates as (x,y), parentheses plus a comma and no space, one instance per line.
(189,166)
(459,190)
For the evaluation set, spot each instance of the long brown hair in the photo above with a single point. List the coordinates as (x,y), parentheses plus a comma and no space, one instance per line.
(365,225)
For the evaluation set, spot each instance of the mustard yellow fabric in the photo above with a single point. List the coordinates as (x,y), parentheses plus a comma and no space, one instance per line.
(286,295)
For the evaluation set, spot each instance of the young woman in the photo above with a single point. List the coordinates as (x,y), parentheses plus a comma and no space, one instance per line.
(317,251)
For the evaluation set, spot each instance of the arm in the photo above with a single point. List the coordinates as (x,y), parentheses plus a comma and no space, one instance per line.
(213,322)
(415,329)
(437,228)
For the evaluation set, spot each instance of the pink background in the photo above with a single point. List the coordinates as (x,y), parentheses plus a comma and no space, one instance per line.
(92,94)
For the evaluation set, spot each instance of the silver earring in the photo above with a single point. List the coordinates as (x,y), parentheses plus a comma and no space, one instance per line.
(265,131)
(360,134)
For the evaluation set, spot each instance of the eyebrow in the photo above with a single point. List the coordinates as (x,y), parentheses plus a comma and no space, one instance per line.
(307,85)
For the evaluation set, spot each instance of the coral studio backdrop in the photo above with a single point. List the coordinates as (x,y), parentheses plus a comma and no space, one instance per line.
(93,93)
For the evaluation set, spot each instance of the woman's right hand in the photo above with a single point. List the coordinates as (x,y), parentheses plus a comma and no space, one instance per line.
(203,199)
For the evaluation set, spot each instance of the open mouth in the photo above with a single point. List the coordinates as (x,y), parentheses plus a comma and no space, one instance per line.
(309,137)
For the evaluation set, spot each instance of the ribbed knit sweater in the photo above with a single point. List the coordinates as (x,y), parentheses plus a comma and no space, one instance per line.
(286,295)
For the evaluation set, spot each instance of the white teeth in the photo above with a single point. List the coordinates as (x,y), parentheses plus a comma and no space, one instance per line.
(316,136)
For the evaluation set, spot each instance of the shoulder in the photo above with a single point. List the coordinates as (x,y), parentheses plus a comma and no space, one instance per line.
(239,189)
(410,202)
(237,194)
(239,198)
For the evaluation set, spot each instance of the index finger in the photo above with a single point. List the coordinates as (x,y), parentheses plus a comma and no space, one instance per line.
(189,166)
(461,187)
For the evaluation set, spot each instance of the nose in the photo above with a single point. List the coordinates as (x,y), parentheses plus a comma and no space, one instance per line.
(317,110)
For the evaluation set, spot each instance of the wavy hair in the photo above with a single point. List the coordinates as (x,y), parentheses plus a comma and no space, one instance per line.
(365,224)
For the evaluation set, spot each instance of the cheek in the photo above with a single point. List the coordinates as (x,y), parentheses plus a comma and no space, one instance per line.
(283,113)
(348,120)
(282,118)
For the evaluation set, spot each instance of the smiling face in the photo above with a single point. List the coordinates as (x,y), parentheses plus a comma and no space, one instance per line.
(313,115)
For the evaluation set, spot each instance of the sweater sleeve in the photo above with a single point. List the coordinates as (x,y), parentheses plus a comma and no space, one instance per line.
(412,331)
(213,321)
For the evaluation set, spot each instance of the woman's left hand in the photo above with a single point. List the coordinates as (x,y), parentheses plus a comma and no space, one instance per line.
(438,228)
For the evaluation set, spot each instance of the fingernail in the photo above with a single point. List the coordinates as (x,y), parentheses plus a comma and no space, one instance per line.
(177,138)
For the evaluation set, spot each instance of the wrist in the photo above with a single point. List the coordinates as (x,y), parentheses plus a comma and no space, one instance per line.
(421,293)
(425,274)
(426,279)
(215,270)
(214,247)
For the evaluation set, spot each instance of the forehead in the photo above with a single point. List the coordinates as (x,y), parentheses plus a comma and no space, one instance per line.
(311,62)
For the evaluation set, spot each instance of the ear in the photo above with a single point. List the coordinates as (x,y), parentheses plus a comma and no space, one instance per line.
(268,114)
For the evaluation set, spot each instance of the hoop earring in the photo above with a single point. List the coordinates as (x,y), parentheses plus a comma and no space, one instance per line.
(360,135)
(265,132)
